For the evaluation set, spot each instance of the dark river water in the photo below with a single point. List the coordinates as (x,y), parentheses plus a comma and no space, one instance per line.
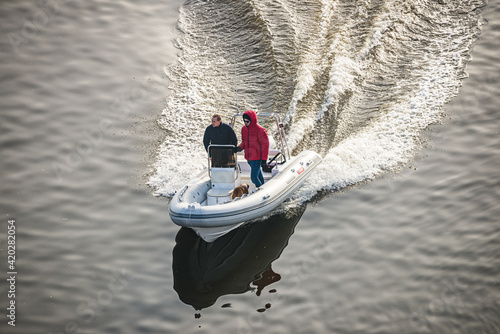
(103,105)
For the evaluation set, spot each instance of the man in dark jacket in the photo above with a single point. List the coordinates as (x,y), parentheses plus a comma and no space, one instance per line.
(219,133)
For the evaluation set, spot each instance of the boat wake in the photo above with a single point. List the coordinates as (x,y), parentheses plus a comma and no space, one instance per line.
(357,82)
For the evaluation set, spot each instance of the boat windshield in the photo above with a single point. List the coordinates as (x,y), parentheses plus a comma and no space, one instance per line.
(222,156)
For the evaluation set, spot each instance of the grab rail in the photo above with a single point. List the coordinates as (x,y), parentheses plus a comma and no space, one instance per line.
(183,191)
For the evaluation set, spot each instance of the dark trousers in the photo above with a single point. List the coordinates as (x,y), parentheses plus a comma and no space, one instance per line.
(256,173)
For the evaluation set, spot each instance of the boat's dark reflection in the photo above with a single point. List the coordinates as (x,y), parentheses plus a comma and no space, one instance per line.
(235,263)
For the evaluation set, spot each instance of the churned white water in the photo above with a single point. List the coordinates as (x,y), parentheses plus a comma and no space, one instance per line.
(343,53)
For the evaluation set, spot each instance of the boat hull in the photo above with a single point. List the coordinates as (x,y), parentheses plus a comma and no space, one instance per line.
(187,207)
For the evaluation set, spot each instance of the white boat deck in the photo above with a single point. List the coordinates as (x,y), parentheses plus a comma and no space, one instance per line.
(245,170)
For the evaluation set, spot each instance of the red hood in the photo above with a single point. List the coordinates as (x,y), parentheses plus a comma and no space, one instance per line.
(253,116)
(254,139)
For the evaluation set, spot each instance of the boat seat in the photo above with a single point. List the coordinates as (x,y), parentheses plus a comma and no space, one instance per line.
(218,196)
(223,178)
(222,175)
(273,152)
(218,192)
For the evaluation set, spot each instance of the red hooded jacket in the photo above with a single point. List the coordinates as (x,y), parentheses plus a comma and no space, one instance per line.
(254,139)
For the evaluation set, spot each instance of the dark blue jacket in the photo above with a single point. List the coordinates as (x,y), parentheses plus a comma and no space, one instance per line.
(221,135)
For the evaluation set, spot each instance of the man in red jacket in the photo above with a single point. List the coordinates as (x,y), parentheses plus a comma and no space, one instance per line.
(256,145)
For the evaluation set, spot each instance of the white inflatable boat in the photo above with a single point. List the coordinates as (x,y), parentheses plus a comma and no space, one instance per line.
(204,204)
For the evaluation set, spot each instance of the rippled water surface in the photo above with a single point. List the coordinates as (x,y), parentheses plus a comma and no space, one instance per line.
(103,105)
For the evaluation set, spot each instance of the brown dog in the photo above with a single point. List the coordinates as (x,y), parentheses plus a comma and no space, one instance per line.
(239,191)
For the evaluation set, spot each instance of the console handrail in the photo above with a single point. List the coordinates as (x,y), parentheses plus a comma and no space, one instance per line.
(209,158)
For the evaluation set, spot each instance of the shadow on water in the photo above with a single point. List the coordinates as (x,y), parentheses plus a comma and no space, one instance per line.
(237,262)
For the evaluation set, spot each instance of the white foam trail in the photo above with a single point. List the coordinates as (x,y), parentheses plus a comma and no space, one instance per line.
(313,63)
(188,112)
(385,144)
(343,72)
(389,141)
